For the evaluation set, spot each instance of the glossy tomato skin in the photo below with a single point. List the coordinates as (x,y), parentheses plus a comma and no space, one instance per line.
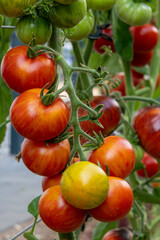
(28,27)
(58,214)
(21,73)
(141,59)
(37,122)
(100,42)
(150,164)
(45,159)
(68,16)
(117,204)
(48,182)
(118,234)
(117,153)
(90,182)
(145,37)
(65,2)
(146,124)
(100,4)
(15,8)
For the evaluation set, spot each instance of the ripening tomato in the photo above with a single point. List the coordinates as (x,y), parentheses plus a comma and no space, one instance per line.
(146,124)
(48,182)
(141,59)
(118,234)
(150,164)
(117,204)
(45,159)
(21,73)
(117,153)
(57,213)
(37,122)
(101,41)
(156,183)
(84,185)
(145,37)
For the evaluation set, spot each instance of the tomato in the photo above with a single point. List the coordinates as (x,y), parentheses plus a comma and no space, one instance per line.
(15,8)
(141,59)
(48,182)
(133,13)
(139,152)
(101,41)
(28,27)
(150,164)
(21,73)
(84,185)
(118,234)
(147,127)
(156,183)
(117,153)
(82,29)
(117,204)
(57,213)
(65,1)
(33,120)
(68,16)
(145,37)
(45,159)
(100,4)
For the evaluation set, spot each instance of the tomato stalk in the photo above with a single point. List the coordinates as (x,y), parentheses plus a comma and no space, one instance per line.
(67,236)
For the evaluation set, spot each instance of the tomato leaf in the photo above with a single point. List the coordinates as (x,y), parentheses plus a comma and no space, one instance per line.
(29,236)
(102,228)
(146,197)
(122,38)
(33,206)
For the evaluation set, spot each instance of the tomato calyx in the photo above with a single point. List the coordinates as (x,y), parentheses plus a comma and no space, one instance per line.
(93,146)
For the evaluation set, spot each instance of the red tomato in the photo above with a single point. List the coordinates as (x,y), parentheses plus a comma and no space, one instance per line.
(58,214)
(141,59)
(48,182)
(118,234)
(33,120)
(21,73)
(100,42)
(146,124)
(117,153)
(145,37)
(150,164)
(117,204)
(45,159)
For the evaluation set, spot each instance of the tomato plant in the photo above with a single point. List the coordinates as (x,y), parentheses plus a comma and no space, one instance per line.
(150,165)
(65,1)
(117,153)
(117,204)
(28,27)
(21,72)
(35,121)
(48,182)
(118,234)
(100,5)
(45,159)
(58,214)
(86,178)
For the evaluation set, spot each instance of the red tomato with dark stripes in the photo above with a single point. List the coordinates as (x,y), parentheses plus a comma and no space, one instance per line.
(118,234)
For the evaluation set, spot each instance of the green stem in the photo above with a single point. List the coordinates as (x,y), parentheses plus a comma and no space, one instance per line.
(88,50)
(142,99)
(34,224)
(66,236)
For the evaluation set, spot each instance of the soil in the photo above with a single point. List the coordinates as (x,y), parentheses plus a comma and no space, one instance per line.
(42,232)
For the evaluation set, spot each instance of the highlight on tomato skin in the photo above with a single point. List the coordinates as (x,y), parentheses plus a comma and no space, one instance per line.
(118,234)
(57,213)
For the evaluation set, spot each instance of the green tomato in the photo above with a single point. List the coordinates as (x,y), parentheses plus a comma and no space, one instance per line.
(82,29)
(100,4)
(65,2)
(139,152)
(28,27)
(67,16)
(133,13)
(15,8)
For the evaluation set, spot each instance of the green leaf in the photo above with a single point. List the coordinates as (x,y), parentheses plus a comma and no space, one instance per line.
(146,197)
(123,40)
(33,206)
(138,165)
(102,228)
(30,236)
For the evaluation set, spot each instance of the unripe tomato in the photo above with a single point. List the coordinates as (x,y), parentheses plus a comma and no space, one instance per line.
(21,73)
(48,182)
(100,4)
(146,124)
(139,152)
(65,2)
(117,204)
(141,59)
(84,185)
(45,159)
(28,27)
(150,164)
(145,37)
(117,153)
(118,234)
(37,122)
(57,213)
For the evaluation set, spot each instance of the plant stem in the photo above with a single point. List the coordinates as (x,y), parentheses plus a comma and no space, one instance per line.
(142,99)
(66,236)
